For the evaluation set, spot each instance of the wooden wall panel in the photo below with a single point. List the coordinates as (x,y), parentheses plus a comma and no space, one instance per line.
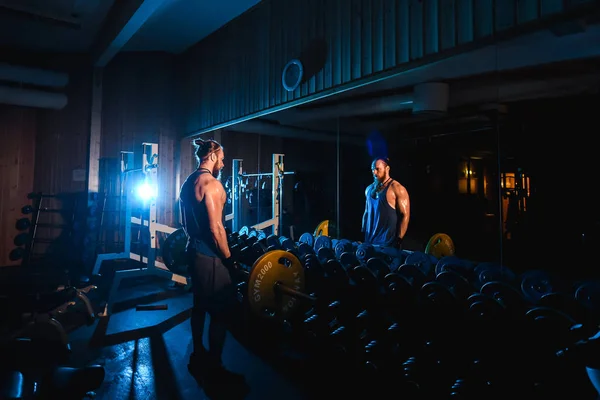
(138,106)
(17,158)
(236,71)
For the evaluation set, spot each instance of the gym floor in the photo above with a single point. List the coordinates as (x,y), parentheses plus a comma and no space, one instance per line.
(145,353)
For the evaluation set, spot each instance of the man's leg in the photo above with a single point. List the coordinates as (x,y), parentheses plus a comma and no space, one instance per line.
(197,270)
(217,331)
(197,321)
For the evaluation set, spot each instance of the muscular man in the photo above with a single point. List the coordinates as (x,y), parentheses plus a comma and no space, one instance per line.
(202,199)
(387,208)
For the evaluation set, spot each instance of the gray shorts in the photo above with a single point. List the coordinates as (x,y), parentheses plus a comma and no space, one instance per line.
(212,285)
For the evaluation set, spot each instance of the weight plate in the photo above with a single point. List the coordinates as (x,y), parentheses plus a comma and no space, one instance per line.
(440,245)
(397,288)
(342,246)
(304,250)
(506,294)
(335,271)
(260,234)
(448,263)
(535,284)
(273,240)
(173,252)
(588,295)
(553,320)
(420,260)
(348,260)
(286,243)
(364,252)
(436,293)
(458,285)
(363,277)
(476,297)
(379,267)
(323,241)
(486,308)
(275,266)
(395,256)
(562,302)
(307,238)
(413,274)
(325,254)
(313,267)
(485,266)
(322,229)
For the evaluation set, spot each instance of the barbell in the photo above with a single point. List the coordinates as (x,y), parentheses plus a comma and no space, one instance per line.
(275,281)
(275,284)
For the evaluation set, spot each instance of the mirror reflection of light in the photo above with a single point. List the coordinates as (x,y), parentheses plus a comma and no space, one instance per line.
(147,191)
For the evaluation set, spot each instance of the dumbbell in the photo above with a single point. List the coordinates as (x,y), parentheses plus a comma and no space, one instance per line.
(350,339)
(446,295)
(323,321)
(393,257)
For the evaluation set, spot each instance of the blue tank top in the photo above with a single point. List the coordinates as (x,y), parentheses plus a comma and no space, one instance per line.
(194,218)
(382,220)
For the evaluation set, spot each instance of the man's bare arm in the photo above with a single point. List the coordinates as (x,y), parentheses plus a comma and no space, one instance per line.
(402,208)
(214,198)
(364,218)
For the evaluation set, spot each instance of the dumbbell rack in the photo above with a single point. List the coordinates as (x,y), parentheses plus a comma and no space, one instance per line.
(36,209)
(152,266)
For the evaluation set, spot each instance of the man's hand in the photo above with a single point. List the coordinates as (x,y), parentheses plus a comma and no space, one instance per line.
(397,243)
(229,263)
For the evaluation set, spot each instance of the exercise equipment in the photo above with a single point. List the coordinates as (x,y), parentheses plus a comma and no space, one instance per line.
(322,229)
(276,283)
(277,174)
(23,377)
(440,245)
(173,252)
(149,225)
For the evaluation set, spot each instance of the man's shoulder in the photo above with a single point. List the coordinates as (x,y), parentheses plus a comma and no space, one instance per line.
(213,184)
(397,186)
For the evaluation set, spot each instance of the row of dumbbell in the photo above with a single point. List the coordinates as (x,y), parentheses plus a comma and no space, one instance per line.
(374,277)
(465,352)
(451,277)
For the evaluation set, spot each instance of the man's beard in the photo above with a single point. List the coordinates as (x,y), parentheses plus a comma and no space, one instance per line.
(217,173)
(377,181)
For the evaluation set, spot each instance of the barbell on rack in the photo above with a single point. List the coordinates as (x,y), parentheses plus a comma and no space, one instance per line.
(275,284)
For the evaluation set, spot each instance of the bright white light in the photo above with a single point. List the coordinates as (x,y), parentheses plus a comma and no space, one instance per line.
(146,191)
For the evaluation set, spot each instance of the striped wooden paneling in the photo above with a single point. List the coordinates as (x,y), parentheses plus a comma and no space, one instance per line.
(138,106)
(62,140)
(236,72)
(17,160)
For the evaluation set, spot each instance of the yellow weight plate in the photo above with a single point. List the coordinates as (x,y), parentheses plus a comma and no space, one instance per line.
(440,245)
(322,229)
(272,267)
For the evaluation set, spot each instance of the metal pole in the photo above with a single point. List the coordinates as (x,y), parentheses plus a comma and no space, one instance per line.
(337,199)
(500,224)
(277,167)
(235,194)
(258,189)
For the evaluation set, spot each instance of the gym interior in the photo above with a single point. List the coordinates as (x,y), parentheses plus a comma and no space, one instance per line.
(483,109)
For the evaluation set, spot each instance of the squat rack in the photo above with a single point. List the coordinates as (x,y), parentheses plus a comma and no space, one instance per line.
(152,266)
(277,173)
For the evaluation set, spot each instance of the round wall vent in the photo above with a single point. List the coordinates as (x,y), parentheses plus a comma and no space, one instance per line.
(292,75)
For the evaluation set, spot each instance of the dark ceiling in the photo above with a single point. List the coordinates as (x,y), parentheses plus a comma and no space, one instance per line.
(103,28)
(74,26)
